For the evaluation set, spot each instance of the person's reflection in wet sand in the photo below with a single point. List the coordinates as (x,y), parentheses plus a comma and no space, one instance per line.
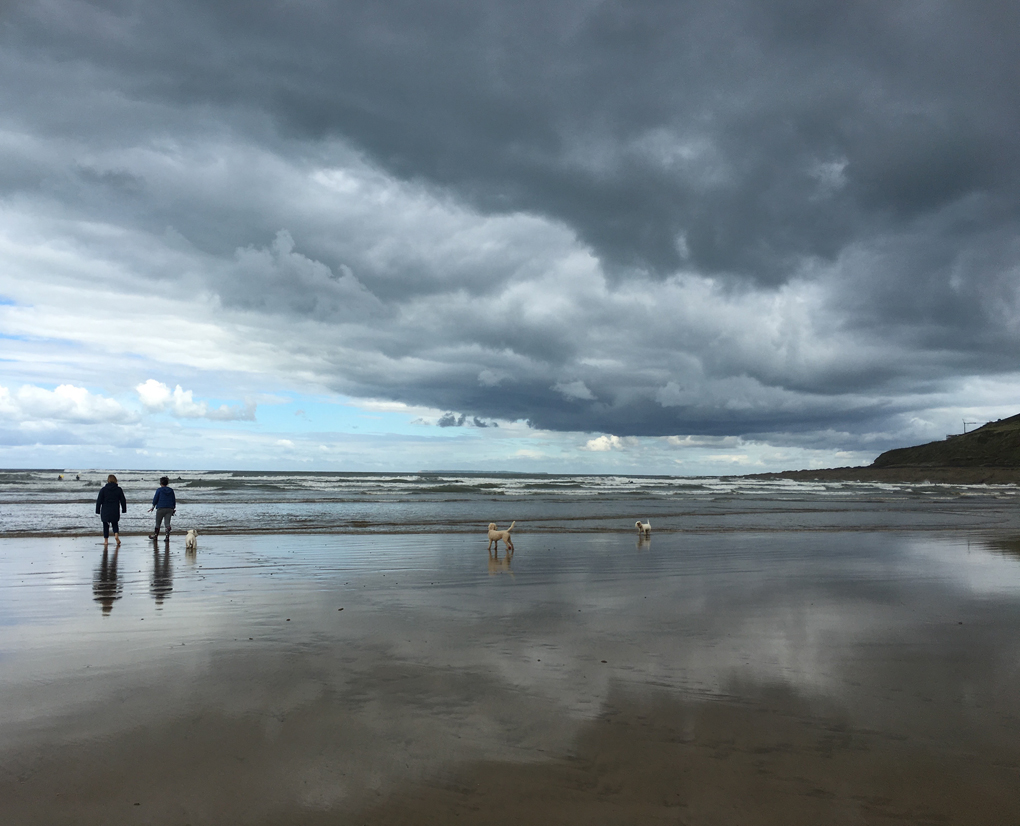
(497,565)
(106,589)
(162,573)
(1007,546)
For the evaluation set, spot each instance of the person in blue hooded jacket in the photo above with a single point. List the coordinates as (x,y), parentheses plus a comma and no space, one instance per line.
(109,505)
(165,504)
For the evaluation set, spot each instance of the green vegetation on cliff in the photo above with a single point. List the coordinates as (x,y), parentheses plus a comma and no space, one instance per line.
(994,445)
(988,455)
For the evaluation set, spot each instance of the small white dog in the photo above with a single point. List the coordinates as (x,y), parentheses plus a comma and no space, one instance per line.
(191,540)
(644,528)
(495,536)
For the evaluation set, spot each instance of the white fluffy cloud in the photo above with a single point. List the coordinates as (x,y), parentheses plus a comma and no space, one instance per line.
(603,444)
(67,404)
(157,397)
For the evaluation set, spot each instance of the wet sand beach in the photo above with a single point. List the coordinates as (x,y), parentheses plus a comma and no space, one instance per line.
(752,677)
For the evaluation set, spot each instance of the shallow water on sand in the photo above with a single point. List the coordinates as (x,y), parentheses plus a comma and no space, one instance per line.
(741,677)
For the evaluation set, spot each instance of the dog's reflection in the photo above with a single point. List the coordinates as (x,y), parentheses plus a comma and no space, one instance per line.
(106,590)
(162,573)
(499,565)
(644,542)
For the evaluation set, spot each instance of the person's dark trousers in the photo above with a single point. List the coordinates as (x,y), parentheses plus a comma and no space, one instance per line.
(163,514)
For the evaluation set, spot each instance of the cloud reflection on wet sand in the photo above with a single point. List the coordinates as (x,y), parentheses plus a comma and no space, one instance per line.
(761,678)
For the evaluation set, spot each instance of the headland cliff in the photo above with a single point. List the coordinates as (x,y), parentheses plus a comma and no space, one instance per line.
(989,454)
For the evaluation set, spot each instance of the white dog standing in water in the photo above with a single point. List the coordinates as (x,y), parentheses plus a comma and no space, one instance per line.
(191,540)
(495,536)
(644,528)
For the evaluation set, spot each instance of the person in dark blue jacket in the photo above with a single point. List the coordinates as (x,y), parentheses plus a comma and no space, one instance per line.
(109,505)
(165,505)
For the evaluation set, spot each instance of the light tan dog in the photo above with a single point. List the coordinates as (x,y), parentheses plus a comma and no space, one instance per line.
(495,536)
(191,540)
(644,528)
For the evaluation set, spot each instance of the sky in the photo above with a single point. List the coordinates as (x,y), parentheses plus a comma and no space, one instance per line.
(644,236)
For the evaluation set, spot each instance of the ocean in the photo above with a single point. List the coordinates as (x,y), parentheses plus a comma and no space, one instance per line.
(55,503)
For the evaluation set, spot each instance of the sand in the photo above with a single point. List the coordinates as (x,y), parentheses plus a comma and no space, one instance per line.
(859,677)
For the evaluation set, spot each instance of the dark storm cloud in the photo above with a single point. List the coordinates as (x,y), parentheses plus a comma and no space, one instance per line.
(730,137)
(865,150)
(451,420)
